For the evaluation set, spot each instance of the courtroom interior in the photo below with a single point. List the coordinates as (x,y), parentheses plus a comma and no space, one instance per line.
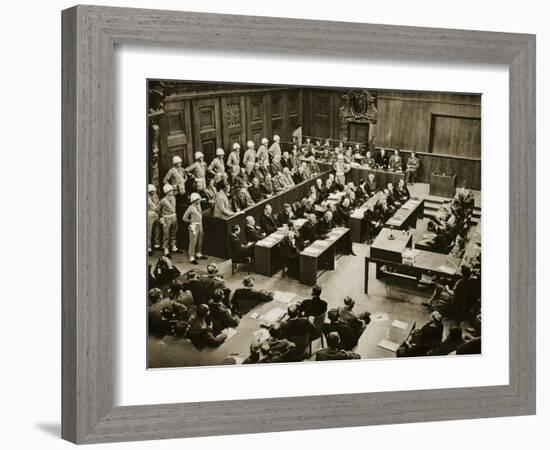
(301,224)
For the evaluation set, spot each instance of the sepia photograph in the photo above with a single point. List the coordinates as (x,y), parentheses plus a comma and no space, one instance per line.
(290,224)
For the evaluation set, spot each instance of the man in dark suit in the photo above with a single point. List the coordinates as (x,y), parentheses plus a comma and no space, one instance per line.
(252,232)
(267,221)
(348,337)
(326,224)
(382,159)
(220,315)
(247,297)
(199,290)
(357,322)
(255,190)
(309,229)
(314,306)
(432,332)
(291,246)
(333,352)
(296,325)
(286,216)
(200,334)
(371,185)
(238,249)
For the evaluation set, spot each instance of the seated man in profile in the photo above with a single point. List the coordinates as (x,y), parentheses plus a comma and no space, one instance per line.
(247,297)
(309,229)
(255,190)
(242,200)
(252,232)
(325,225)
(402,192)
(220,315)
(357,322)
(268,224)
(391,197)
(413,346)
(200,334)
(286,216)
(238,249)
(348,337)
(333,352)
(276,348)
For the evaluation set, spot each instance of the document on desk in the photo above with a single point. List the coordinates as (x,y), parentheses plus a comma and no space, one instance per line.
(284,297)
(229,332)
(273,315)
(386,344)
(379,317)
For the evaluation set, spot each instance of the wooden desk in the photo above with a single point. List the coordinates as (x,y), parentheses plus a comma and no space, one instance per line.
(383,177)
(406,216)
(428,263)
(267,256)
(320,255)
(442,185)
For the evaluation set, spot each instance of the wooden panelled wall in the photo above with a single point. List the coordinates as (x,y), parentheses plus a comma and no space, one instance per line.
(444,129)
(205,120)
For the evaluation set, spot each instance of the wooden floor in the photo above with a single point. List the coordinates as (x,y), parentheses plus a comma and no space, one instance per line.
(398,298)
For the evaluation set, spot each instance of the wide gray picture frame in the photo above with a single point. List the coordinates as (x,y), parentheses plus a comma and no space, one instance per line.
(90,34)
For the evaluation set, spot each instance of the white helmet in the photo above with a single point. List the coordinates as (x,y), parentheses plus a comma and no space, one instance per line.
(151,188)
(265,141)
(167,188)
(194,197)
(176,159)
(340,156)
(276,137)
(199,155)
(236,145)
(220,152)
(250,144)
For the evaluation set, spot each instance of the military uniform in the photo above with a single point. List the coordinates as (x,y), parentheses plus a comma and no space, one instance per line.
(413,163)
(395,163)
(217,166)
(233,159)
(249,156)
(152,220)
(262,155)
(193,216)
(221,206)
(198,170)
(168,220)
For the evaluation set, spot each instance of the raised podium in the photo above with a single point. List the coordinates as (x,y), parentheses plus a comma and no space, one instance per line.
(442,185)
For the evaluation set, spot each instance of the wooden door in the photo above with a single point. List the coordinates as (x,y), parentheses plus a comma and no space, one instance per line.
(358,132)
(233,120)
(207,127)
(256,125)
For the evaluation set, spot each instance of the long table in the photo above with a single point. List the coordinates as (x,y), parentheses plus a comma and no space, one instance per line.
(217,230)
(359,172)
(267,255)
(406,216)
(320,255)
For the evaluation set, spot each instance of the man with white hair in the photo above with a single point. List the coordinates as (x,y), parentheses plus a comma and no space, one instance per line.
(250,154)
(217,165)
(262,155)
(234,158)
(198,171)
(168,219)
(252,232)
(152,218)
(275,149)
(193,219)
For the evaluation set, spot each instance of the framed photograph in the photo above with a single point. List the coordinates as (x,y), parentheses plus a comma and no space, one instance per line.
(267,230)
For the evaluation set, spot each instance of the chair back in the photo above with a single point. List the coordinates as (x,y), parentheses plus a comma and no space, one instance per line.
(302,343)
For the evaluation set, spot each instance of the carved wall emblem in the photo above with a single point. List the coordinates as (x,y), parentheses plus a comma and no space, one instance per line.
(358,107)
(233,115)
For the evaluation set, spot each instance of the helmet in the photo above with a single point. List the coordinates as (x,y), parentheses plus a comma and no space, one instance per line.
(265,141)
(167,188)
(220,152)
(194,197)
(236,145)
(151,188)
(176,159)
(276,137)
(250,144)
(198,155)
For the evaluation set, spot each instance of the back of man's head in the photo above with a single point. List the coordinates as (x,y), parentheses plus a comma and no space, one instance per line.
(333,339)
(292,311)
(333,315)
(202,311)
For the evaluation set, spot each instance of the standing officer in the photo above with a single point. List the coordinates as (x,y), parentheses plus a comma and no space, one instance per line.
(250,154)
(234,158)
(168,219)
(217,165)
(198,171)
(152,218)
(177,176)
(262,155)
(193,217)
(275,149)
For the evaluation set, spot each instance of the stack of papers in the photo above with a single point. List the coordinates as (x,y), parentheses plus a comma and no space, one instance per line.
(388,345)
(273,315)
(284,297)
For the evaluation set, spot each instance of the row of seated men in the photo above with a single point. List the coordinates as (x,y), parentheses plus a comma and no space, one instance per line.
(451,224)
(201,308)
(357,153)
